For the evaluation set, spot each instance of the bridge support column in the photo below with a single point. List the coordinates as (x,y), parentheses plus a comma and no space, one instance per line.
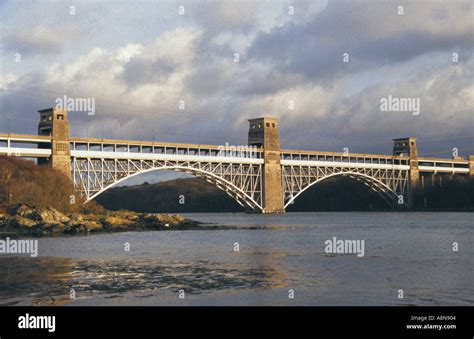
(263,132)
(414,181)
(272,187)
(406,147)
(471,167)
(54,122)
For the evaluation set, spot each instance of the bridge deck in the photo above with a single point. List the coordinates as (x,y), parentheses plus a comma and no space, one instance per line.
(152,150)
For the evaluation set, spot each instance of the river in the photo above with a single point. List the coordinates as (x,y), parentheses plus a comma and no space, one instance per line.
(408,259)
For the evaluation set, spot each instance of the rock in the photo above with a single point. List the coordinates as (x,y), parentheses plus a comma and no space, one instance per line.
(76,217)
(42,214)
(55,228)
(50,215)
(20,210)
(75,228)
(133,217)
(19,221)
(114,222)
(162,218)
(150,217)
(23,219)
(177,218)
(92,226)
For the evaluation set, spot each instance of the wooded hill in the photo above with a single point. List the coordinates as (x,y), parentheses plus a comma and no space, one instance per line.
(334,194)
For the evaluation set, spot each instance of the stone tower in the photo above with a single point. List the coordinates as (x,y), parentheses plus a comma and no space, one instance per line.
(54,123)
(407,147)
(471,166)
(263,132)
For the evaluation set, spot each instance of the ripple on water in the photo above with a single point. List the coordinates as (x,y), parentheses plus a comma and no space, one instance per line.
(46,281)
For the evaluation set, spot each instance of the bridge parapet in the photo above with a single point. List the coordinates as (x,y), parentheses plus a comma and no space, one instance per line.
(148,147)
(344,157)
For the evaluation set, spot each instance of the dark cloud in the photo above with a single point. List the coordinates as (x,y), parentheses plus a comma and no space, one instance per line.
(141,71)
(371,32)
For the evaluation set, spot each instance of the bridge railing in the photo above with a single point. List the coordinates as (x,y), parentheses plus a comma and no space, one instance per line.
(347,158)
(37,146)
(424,164)
(443,165)
(168,148)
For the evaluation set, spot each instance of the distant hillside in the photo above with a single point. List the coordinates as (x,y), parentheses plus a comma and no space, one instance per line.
(334,194)
(195,195)
(200,196)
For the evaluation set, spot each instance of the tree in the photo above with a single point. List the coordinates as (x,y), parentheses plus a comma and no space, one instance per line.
(36,185)
(7,169)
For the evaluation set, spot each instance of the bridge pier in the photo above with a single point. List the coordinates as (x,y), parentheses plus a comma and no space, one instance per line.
(54,123)
(471,167)
(263,132)
(407,147)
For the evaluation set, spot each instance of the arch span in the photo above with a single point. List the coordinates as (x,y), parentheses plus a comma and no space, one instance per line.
(387,193)
(232,184)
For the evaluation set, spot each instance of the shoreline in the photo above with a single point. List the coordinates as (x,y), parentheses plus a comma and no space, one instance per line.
(23,220)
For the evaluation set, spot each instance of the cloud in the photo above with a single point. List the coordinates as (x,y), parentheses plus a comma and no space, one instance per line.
(371,32)
(7,79)
(39,39)
(171,52)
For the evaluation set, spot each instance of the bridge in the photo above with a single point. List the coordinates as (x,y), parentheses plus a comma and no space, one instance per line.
(261,176)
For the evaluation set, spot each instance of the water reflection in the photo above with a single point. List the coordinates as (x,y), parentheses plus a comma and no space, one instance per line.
(42,281)
(48,281)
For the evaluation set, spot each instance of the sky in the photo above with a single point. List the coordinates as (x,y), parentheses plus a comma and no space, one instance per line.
(320,67)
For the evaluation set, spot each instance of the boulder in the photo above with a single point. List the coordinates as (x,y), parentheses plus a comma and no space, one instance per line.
(162,218)
(55,228)
(75,228)
(114,222)
(19,221)
(20,210)
(49,215)
(92,226)
(41,214)
(76,217)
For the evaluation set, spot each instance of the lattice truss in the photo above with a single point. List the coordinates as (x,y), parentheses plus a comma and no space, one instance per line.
(390,184)
(240,181)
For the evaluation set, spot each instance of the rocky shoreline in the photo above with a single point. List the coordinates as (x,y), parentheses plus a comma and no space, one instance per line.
(28,221)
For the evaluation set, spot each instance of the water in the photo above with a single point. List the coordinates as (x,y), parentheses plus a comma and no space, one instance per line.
(412,252)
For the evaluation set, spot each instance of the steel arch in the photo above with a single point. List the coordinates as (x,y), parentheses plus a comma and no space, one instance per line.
(387,193)
(251,198)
